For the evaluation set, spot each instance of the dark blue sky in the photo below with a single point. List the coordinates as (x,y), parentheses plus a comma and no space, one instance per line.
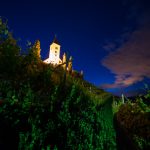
(97,33)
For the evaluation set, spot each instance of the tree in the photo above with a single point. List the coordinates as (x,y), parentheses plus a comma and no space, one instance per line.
(64,61)
(9,51)
(37,49)
(70,65)
(33,56)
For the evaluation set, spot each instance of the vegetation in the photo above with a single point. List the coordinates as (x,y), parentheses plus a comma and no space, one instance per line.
(44,107)
(47,108)
(134,117)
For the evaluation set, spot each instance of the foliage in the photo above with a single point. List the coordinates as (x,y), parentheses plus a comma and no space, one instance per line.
(116,105)
(48,108)
(9,51)
(70,118)
(146,97)
(134,117)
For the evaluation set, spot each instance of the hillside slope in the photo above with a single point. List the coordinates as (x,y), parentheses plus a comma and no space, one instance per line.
(44,107)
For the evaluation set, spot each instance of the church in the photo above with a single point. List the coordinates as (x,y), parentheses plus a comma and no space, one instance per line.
(55,60)
(54,56)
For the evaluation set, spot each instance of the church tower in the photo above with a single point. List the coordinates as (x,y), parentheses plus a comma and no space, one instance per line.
(54,53)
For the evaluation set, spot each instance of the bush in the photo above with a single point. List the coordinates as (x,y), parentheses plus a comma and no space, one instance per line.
(135,118)
(67,120)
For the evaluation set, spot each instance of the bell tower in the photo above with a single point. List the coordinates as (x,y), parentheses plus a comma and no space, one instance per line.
(54,53)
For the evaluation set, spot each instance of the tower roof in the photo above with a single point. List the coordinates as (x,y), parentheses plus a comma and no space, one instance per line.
(55,40)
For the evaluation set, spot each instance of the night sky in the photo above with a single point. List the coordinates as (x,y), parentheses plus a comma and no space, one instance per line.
(108,39)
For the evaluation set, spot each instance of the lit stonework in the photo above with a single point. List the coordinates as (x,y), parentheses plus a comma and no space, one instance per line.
(54,58)
(54,53)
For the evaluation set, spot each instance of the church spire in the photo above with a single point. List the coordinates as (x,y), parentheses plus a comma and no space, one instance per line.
(55,40)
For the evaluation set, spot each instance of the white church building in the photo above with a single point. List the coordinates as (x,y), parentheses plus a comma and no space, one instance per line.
(54,53)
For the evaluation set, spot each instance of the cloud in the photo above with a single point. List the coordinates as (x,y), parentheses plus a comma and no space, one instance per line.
(131,62)
(109,46)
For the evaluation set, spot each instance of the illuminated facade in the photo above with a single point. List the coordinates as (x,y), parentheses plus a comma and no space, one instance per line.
(66,63)
(54,53)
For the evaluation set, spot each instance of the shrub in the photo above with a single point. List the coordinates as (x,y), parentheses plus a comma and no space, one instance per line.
(134,117)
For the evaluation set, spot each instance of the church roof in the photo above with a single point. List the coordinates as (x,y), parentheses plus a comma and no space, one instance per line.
(55,40)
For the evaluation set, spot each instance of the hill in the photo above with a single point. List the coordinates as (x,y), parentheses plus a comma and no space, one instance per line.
(45,107)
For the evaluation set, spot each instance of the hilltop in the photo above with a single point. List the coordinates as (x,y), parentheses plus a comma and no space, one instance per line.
(46,107)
